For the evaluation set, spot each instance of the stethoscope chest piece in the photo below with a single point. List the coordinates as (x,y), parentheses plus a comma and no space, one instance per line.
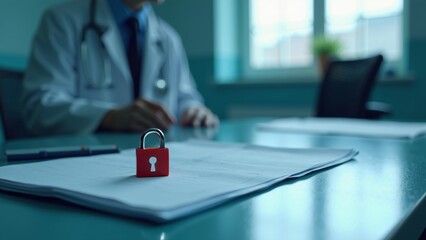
(161,86)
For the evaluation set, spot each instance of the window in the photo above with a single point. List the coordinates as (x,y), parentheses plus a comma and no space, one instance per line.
(281,32)
(366,27)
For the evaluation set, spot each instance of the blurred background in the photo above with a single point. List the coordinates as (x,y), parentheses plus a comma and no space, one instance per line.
(254,58)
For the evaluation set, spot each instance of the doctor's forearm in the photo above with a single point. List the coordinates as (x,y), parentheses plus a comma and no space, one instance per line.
(52,116)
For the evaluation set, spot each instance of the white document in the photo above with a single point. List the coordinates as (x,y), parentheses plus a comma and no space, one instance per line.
(202,175)
(346,126)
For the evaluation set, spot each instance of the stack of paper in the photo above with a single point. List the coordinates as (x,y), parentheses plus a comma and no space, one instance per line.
(202,175)
(346,126)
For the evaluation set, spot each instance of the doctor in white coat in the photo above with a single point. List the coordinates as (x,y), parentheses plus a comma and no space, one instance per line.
(79,80)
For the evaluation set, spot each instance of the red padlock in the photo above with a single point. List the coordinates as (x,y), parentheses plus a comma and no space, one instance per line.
(152,162)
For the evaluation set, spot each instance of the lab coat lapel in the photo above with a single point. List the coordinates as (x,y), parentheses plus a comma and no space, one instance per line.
(112,40)
(153,55)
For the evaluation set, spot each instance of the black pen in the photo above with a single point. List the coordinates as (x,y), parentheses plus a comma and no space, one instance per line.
(59,152)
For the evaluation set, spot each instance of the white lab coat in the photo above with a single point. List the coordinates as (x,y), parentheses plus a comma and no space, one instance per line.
(56,99)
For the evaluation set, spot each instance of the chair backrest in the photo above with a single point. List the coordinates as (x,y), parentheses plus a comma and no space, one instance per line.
(10,91)
(346,87)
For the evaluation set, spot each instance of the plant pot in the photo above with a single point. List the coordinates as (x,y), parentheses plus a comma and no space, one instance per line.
(324,61)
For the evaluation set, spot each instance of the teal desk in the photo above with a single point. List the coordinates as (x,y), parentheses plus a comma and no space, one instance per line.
(376,196)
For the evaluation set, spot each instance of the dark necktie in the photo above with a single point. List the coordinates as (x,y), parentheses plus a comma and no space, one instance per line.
(134,55)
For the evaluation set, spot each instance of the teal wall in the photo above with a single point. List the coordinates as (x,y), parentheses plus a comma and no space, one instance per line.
(18,22)
(194,20)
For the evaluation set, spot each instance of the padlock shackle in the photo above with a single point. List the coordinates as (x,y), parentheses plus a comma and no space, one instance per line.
(157,131)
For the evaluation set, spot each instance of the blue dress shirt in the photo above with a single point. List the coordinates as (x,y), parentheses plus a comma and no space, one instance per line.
(122,13)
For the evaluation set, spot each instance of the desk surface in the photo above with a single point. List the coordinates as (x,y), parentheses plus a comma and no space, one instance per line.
(362,199)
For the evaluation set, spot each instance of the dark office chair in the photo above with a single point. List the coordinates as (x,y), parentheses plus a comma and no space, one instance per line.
(346,87)
(10,91)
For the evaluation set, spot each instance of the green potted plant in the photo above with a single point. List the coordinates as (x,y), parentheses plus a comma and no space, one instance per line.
(325,49)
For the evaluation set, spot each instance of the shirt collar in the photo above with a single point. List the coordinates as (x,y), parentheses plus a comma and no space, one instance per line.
(122,12)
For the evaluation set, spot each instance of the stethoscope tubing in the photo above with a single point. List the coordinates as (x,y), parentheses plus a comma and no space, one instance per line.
(105,81)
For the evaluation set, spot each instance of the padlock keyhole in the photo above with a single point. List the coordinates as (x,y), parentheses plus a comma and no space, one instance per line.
(153,161)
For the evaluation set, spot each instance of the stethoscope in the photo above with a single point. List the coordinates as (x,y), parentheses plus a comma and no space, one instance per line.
(103,79)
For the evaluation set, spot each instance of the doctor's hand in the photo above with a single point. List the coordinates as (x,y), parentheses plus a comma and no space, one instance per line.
(139,116)
(199,116)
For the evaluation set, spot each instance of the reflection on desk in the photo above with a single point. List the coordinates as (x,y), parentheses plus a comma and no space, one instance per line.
(363,199)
